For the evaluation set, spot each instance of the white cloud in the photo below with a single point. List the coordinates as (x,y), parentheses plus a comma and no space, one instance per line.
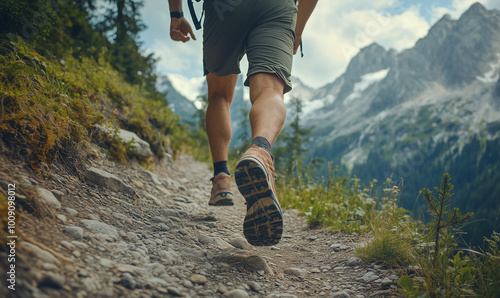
(460,6)
(189,88)
(336,32)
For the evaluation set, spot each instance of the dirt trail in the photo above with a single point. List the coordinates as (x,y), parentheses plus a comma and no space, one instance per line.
(122,231)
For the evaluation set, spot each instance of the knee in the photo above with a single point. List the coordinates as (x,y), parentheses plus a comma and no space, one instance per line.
(219,98)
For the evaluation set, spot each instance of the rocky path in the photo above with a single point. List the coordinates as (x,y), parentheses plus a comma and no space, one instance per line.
(120,231)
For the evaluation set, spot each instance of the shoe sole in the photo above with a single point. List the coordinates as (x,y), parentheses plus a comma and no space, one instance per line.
(223,202)
(263,225)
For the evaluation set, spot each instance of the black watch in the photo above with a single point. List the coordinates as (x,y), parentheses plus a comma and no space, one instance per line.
(176,14)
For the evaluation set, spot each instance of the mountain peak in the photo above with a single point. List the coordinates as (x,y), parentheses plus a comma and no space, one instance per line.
(476,8)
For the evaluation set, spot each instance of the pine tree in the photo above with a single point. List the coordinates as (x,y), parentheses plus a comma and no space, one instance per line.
(443,218)
(294,138)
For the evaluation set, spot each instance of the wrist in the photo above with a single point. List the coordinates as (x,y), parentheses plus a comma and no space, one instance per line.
(176,14)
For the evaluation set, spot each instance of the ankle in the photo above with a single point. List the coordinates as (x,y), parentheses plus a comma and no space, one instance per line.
(262,143)
(221,167)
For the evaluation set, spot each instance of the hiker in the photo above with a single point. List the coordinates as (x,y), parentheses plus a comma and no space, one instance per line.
(269,33)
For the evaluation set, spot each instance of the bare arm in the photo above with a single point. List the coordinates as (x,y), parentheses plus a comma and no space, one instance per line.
(179,27)
(305,10)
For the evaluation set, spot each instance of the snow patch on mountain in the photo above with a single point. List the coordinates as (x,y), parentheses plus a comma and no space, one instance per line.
(493,75)
(366,81)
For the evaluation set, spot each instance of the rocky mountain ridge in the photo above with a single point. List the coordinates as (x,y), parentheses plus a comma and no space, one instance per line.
(424,111)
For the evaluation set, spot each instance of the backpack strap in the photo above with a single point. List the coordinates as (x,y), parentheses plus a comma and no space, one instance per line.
(196,22)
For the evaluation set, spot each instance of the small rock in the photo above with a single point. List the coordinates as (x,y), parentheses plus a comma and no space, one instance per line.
(257,263)
(216,241)
(128,281)
(353,261)
(80,244)
(108,180)
(369,277)
(222,289)
(174,291)
(74,231)
(315,270)
(52,280)
(57,193)
(171,213)
(100,227)
(255,286)
(70,211)
(295,272)
(187,283)
(236,293)
(153,177)
(48,198)
(198,279)
(386,282)
(67,244)
(342,294)
(42,254)
(169,257)
(240,243)
(62,218)
(152,198)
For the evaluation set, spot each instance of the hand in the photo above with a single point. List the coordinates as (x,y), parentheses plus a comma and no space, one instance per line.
(180,29)
(296,43)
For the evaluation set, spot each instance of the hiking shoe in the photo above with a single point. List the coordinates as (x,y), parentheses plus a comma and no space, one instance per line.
(221,194)
(255,178)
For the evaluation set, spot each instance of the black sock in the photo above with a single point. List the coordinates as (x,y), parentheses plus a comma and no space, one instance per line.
(221,167)
(262,143)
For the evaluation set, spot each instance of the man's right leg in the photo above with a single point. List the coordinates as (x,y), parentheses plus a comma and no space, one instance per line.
(218,126)
(254,175)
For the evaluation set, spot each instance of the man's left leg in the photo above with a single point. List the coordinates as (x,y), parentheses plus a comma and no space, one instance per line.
(218,126)
(254,173)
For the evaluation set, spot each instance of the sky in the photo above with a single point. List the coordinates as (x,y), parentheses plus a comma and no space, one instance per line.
(335,33)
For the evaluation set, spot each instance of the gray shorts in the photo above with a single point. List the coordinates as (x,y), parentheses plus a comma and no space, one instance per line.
(261,29)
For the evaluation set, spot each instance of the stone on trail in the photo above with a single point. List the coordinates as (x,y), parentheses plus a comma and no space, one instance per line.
(342,294)
(74,231)
(240,243)
(57,193)
(71,211)
(295,272)
(128,281)
(52,280)
(353,261)
(236,293)
(169,257)
(256,263)
(48,198)
(255,286)
(369,277)
(100,228)
(386,282)
(109,181)
(42,254)
(216,241)
(198,279)
(153,177)
(138,146)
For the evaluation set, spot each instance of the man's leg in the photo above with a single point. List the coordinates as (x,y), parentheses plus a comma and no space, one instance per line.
(218,126)
(254,174)
(218,121)
(268,112)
